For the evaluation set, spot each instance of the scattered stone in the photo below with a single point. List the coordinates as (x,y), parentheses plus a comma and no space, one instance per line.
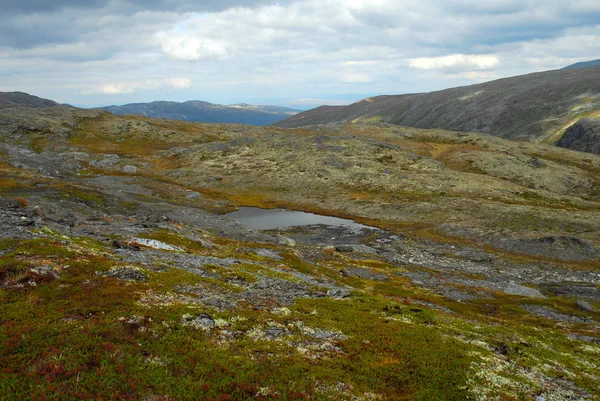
(586,306)
(475,255)
(549,313)
(125,273)
(285,241)
(202,321)
(154,244)
(535,162)
(193,195)
(116,244)
(109,160)
(515,289)
(359,248)
(130,169)
(274,332)
(363,273)
(338,293)
(268,253)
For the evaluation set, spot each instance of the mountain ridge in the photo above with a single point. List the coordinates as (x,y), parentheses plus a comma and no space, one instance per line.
(527,107)
(202,111)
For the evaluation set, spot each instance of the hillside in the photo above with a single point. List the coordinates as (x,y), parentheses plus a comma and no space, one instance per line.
(122,277)
(198,111)
(535,107)
(11,99)
(584,64)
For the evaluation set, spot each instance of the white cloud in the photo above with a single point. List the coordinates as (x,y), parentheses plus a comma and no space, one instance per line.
(116,89)
(356,78)
(300,49)
(131,87)
(453,61)
(190,48)
(180,83)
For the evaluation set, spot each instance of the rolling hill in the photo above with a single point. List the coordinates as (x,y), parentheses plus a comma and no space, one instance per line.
(199,111)
(10,99)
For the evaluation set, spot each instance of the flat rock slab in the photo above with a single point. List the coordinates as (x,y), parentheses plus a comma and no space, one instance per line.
(515,289)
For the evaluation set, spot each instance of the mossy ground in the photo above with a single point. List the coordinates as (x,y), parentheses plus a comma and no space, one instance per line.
(71,334)
(82,336)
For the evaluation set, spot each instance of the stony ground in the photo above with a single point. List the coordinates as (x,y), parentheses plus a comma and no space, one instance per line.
(121,279)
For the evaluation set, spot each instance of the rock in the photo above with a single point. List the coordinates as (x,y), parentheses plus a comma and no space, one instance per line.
(549,313)
(130,169)
(359,248)
(363,273)
(116,244)
(125,273)
(193,195)
(109,160)
(154,244)
(338,293)
(535,162)
(202,321)
(583,136)
(285,241)
(474,255)
(515,289)
(586,306)
(268,253)
(334,162)
(274,332)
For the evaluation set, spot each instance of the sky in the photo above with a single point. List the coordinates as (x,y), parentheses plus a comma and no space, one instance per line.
(292,53)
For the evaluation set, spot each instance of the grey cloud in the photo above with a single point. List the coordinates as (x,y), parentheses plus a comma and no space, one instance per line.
(25,24)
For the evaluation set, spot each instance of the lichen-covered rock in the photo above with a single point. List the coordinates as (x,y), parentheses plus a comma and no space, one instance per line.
(125,273)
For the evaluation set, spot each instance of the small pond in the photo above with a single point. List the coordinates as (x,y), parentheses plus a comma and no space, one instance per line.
(267,219)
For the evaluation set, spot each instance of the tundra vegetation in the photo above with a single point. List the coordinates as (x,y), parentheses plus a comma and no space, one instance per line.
(480,283)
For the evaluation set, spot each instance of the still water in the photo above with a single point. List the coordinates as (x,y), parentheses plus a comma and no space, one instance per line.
(266,219)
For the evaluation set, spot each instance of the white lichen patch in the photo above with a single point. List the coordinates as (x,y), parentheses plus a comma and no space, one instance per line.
(150,299)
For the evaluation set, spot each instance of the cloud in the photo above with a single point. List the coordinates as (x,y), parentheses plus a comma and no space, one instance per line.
(115,89)
(356,78)
(131,87)
(188,48)
(455,61)
(179,83)
(262,51)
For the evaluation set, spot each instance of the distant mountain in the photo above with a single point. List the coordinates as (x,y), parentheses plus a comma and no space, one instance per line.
(529,107)
(583,64)
(198,111)
(10,99)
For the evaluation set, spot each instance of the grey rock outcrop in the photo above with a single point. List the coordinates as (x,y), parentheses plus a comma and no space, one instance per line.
(583,136)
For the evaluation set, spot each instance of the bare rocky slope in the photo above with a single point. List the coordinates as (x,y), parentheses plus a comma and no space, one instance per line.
(534,107)
(198,111)
(583,136)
